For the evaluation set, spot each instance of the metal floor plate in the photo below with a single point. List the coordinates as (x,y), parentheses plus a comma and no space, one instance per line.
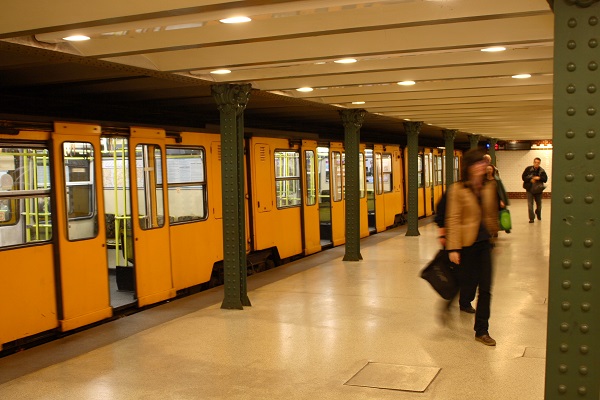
(394,377)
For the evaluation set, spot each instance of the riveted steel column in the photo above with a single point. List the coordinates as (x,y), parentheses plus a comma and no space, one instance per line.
(352,120)
(474,141)
(231,101)
(493,150)
(412,130)
(449,136)
(573,340)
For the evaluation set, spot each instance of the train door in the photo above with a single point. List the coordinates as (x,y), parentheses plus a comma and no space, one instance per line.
(149,210)
(421,183)
(370,189)
(27,288)
(117,214)
(195,232)
(84,287)
(379,184)
(437,177)
(310,206)
(392,185)
(324,196)
(364,206)
(428,175)
(338,204)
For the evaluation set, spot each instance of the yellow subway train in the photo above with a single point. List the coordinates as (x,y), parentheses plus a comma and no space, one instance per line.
(97,220)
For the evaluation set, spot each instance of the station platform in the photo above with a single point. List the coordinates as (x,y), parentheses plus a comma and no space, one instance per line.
(318,328)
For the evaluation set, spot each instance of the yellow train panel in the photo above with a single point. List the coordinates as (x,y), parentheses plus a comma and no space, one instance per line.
(27,292)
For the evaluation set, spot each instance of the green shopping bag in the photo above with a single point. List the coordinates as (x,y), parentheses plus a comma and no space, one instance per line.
(505,223)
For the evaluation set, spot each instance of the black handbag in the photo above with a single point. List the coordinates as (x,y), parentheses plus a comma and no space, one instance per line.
(537,187)
(440,275)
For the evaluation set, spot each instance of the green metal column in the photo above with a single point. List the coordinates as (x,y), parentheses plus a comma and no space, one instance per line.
(474,141)
(493,150)
(231,101)
(449,136)
(573,340)
(412,129)
(352,120)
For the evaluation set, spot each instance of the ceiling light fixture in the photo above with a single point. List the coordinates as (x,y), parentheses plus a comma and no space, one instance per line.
(406,83)
(76,38)
(521,76)
(358,102)
(345,61)
(235,20)
(305,89)
(220,72)
(493,49)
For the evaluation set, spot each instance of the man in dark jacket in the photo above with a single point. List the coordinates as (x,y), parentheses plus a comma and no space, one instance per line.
(532,177)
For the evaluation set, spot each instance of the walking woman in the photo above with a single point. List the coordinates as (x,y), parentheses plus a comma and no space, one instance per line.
(471,223)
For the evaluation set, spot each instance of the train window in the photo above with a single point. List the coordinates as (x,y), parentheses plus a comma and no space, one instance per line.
(378,174)
(420,171)
(80,194)
(25,215)
(310,175)
(361,175)
(186,180)
(427,170)
(151,212)
(456,169)
(386,171)
(287,178)
(337,175)
(438,170)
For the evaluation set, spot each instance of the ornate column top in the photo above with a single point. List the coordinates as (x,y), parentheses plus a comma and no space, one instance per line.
(354,117)
(227,95)
(449,134)
(412,127)
(578,3)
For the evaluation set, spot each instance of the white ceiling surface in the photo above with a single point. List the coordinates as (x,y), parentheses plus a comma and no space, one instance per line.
(291,44)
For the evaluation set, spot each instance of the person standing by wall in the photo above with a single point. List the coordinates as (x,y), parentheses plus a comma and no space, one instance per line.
(534,177)
(471,223)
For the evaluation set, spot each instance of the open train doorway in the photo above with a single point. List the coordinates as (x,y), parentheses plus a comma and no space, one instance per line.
(324,187)
(117,212)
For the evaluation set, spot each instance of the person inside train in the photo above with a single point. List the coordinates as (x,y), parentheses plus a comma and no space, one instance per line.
(471,222)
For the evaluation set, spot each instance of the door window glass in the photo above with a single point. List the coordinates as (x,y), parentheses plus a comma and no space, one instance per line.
(311,189)
(149,186)
(287,178)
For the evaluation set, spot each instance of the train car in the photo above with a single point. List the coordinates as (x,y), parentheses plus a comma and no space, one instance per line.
(95,220)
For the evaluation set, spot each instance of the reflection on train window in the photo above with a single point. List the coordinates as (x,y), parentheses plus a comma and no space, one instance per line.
(311,183)
(25,214)
(287,178)
(386,172)
(150,189)
(186,179)
(378,174)
(420,171)
(337,175)
(361,175)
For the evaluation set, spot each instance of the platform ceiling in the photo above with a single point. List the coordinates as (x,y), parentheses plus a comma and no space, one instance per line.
(150,63)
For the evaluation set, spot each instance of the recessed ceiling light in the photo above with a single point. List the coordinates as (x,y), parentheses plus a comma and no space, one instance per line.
(358,102)
(345,61)
(406,83)
(494,49)
(220,72)
(305,89)
(235,20)
(76,38)
(521,76)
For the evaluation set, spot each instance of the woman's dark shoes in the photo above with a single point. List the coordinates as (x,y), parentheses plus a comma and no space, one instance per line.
(468,309)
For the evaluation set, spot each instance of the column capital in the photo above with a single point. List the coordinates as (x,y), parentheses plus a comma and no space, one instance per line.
(231,96)
(353,118)
(412,127)
(449,134)
(578,3)
(474,140)
(493,141)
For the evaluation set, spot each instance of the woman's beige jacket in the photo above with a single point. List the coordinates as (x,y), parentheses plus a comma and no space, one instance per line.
(464,214)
